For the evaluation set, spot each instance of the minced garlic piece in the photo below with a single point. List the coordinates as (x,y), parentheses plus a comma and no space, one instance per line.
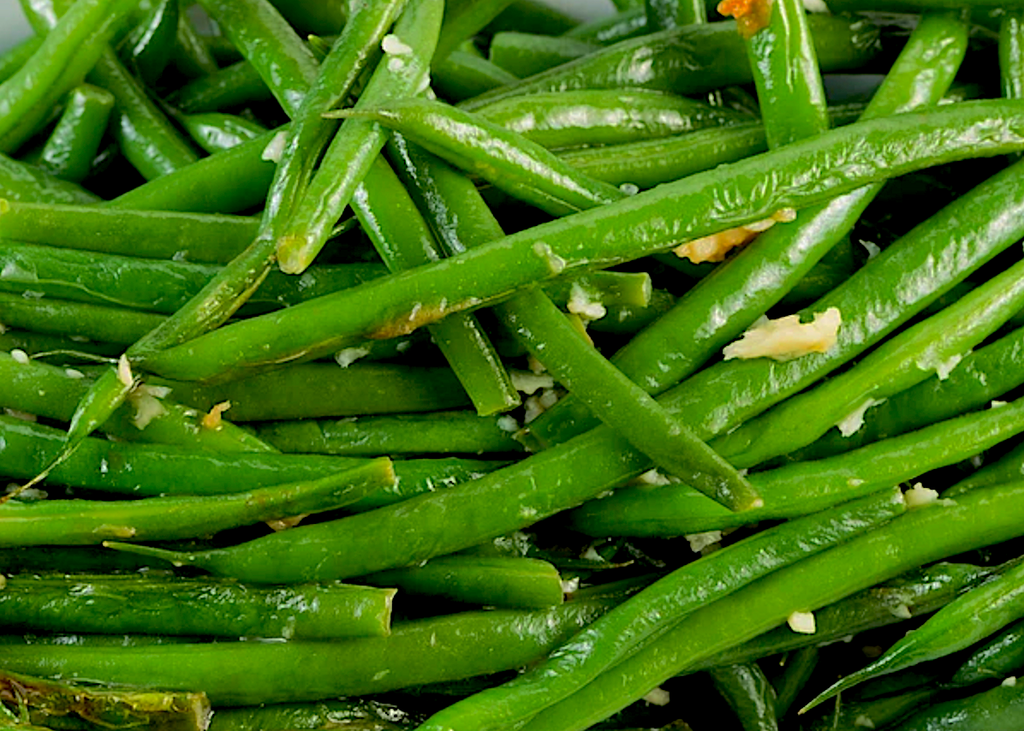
(918,495)
(124,371)
(146,400)
(274,150)
(787,338)
(853,421)
(582,304)
(699,541)
(530,383)
(657,697)
(716,246)
(213,420)
(802,622)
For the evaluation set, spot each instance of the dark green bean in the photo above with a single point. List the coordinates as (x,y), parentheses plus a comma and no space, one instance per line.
(463,76)
(17,56)
(604,116)
(191,56)
(533,16)
(441,432)
(880,713)
(1011,54)
(364,715)
(997,659)
(998,709)
(56,349)
(232,86)
(74,142)
(463,19)
(76,319)
(687,208)
(798,668)
(23,182)
(419,652)
(689,60)
(748,693)
(197,607)
(628,23)
(89,522)
(525,54)
(147,48)
(500,582)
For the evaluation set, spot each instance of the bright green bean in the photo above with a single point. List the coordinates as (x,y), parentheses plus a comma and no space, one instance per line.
(74,142)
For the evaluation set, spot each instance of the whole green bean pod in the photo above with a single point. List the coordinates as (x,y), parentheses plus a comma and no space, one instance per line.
(191,55)
(912,539)
(800,487)
(660,607)
(504,158)
(147,48)
(74,142)
(216,131)
(402,72)
(688,60)
(1008,467)
(51,702)
(936,344)
(55,348)
(71,47)
(499,582)
(721,306)
(368,715)
(76,319)
(534,16)
(526,54)
(150,470)
(749,695)
(50,391)
(20,181)
(198,607)
(998,709)
(195,237)
(687,208)
(16,56)
(971,618)
(440,432)
(89,522)
(251,673)
(996,659)
(604,116)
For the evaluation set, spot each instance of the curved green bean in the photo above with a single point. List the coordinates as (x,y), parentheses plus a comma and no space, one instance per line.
(74,142)
(748,693)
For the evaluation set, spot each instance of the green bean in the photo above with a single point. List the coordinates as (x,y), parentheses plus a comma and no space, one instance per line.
(936,344)
(203,238)
(197,607)
(690,207)
(357,143)
(969,619)
(232,86)
(721,306)
(71,47)
(463,19)
(74,142)
(50,391)
(418,652)
(748,693)
(23,182)
(89,522)
(64,350)
(667,603)
(504,158)
(525,54)
(215,132)
(403,240)
(998,709)
(441,432)
(315,17)
(464,76)
(49,701)
(69,560)
(620,26)
(500,582)
(227,182)
(799,666)
(147,48)
(1005,469)
(191,56)
(688,60)
(268,43)
(319,390)
(76,319)
(881,712)
(1011,55)
(917,537)
(996,659)
(364,715)
(603,116)
(17,56)
(799,488)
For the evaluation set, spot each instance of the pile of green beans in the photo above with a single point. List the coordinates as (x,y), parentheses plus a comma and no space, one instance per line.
(468,365)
